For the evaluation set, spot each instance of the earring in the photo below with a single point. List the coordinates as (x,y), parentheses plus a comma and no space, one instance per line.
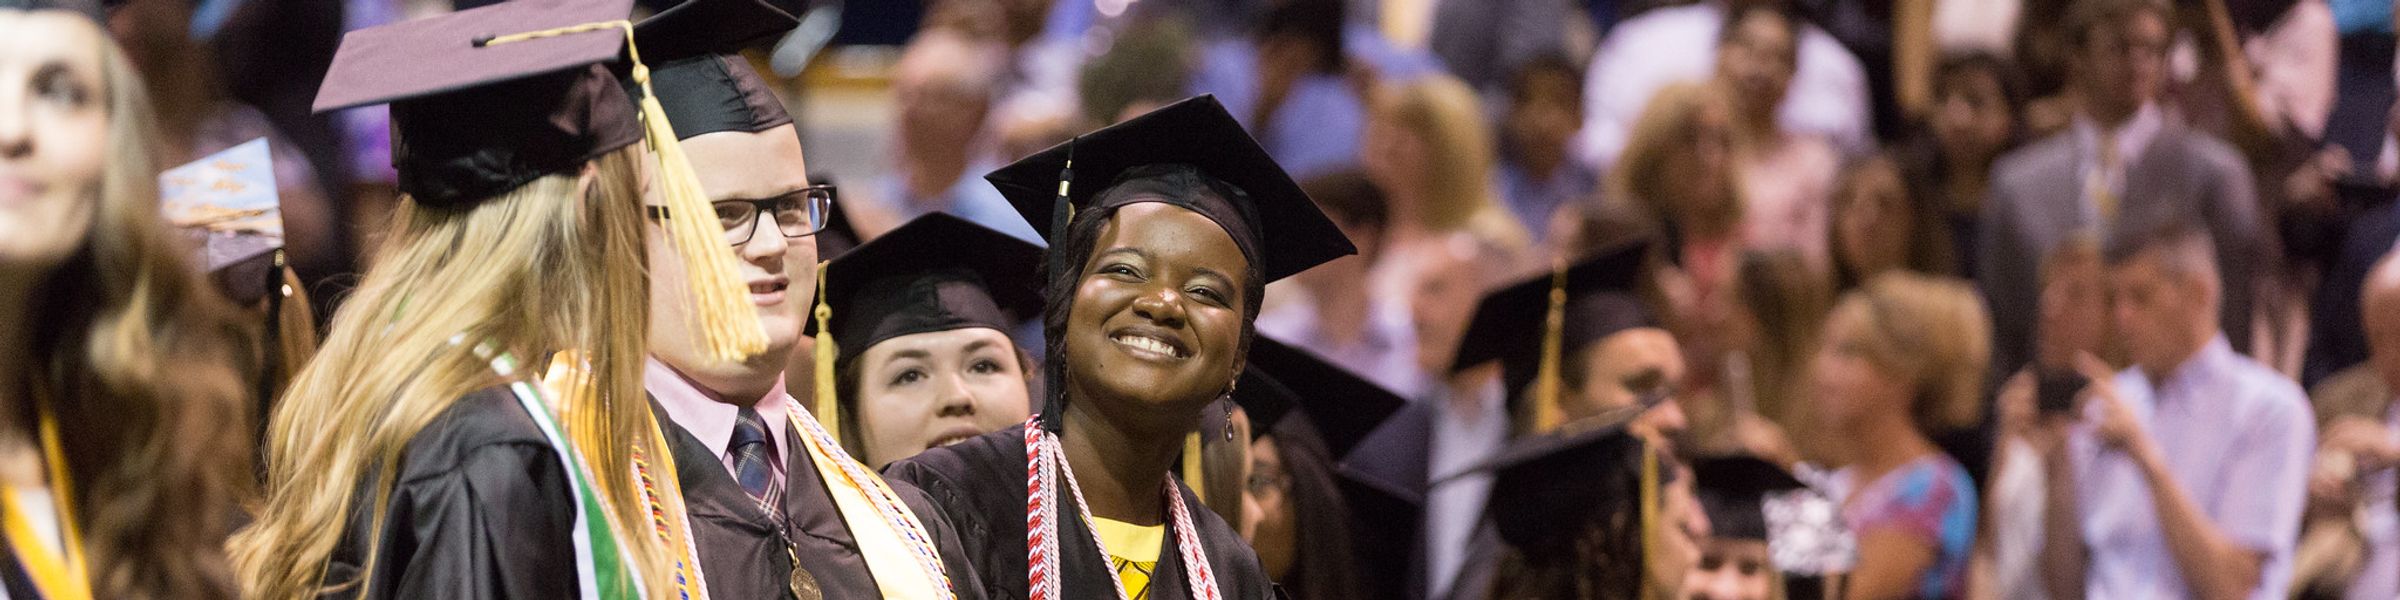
(1228,402)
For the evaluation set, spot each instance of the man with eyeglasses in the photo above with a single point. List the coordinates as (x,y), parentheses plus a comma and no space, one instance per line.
(773,506)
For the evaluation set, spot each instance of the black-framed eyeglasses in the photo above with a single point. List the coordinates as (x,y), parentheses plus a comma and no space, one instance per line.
(798,214)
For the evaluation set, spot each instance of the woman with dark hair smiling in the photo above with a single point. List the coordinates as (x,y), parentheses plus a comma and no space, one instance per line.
(1164,232)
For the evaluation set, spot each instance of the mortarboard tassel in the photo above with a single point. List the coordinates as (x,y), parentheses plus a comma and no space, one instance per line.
(1545,394)
(728,326)
(828,407)
(1192,475)
(1649,513)
(1062,212)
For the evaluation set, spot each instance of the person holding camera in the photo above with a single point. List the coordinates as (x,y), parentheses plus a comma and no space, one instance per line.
(2183,476)
(2073,320)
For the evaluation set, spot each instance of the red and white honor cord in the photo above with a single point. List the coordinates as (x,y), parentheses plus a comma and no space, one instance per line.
(1044,461)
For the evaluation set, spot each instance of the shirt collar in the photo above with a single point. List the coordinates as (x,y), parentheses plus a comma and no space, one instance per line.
(705,414)
(2132,136)
(2193,375)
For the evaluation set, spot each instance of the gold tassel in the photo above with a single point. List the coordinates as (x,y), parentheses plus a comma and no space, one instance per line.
(828,407)
(721,313)
(1546,413)
(1649,510)
(1191,466)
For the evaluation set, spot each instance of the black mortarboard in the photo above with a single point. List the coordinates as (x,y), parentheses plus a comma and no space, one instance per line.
(1271,219)
(472,118)
(1343,406)
(935,273)
(701,84)
(1602,298)
(1548,488)
(1733,491)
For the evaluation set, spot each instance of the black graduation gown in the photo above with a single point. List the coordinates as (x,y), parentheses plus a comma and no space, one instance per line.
(980,484)
(1384,479)
(742,553)
(481,509)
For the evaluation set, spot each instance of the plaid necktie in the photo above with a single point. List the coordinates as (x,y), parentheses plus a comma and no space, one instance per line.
(750,452)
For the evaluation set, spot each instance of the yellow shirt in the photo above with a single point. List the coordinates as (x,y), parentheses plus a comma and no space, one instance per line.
(1132,551)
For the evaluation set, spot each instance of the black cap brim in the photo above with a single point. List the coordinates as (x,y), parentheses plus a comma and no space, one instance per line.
(1343,406)
(907,282)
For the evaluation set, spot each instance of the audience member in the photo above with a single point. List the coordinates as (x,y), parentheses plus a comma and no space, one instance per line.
(1902,357)
(2124,166)
(943,87)
(1977,114)
(1785,174)
(1538,173)
(2353,480)
(1427,147)
(1650,51)
(2186,474)
(2074,321)
(1879,225)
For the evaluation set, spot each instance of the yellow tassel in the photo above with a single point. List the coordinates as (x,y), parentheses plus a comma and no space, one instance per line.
(721,313)
(1191,466)
(1649,509)
(1547,415)
(828,408)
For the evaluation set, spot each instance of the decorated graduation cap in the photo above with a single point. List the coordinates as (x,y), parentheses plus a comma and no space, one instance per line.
(1191,144)
(1733,491)
(935,273)
(1277,227)
(702,85)
(1533,325)
(228,200)
(1342,406)
(488,99)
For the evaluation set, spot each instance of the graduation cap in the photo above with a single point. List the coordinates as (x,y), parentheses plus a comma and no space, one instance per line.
(1533,325)
(936,273)
(1188,145)
(487,99)
(1277,227)
(701,84)
(1341,405)
(1549,489)
(1733,491)
(228,200)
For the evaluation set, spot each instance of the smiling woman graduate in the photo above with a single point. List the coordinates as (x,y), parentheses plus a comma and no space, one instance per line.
(1164,231)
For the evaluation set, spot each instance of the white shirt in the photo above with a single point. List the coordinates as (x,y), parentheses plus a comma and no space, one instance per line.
(1453,509)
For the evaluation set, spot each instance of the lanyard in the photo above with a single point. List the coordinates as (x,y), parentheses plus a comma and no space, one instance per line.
(1044,462)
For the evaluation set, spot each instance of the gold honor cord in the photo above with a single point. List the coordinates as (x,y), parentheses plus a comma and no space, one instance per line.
(721,312)
(1192,473)
(58,576)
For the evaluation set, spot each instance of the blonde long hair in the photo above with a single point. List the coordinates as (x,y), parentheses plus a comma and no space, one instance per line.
(138,359)
(1460,190)
(541,269)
